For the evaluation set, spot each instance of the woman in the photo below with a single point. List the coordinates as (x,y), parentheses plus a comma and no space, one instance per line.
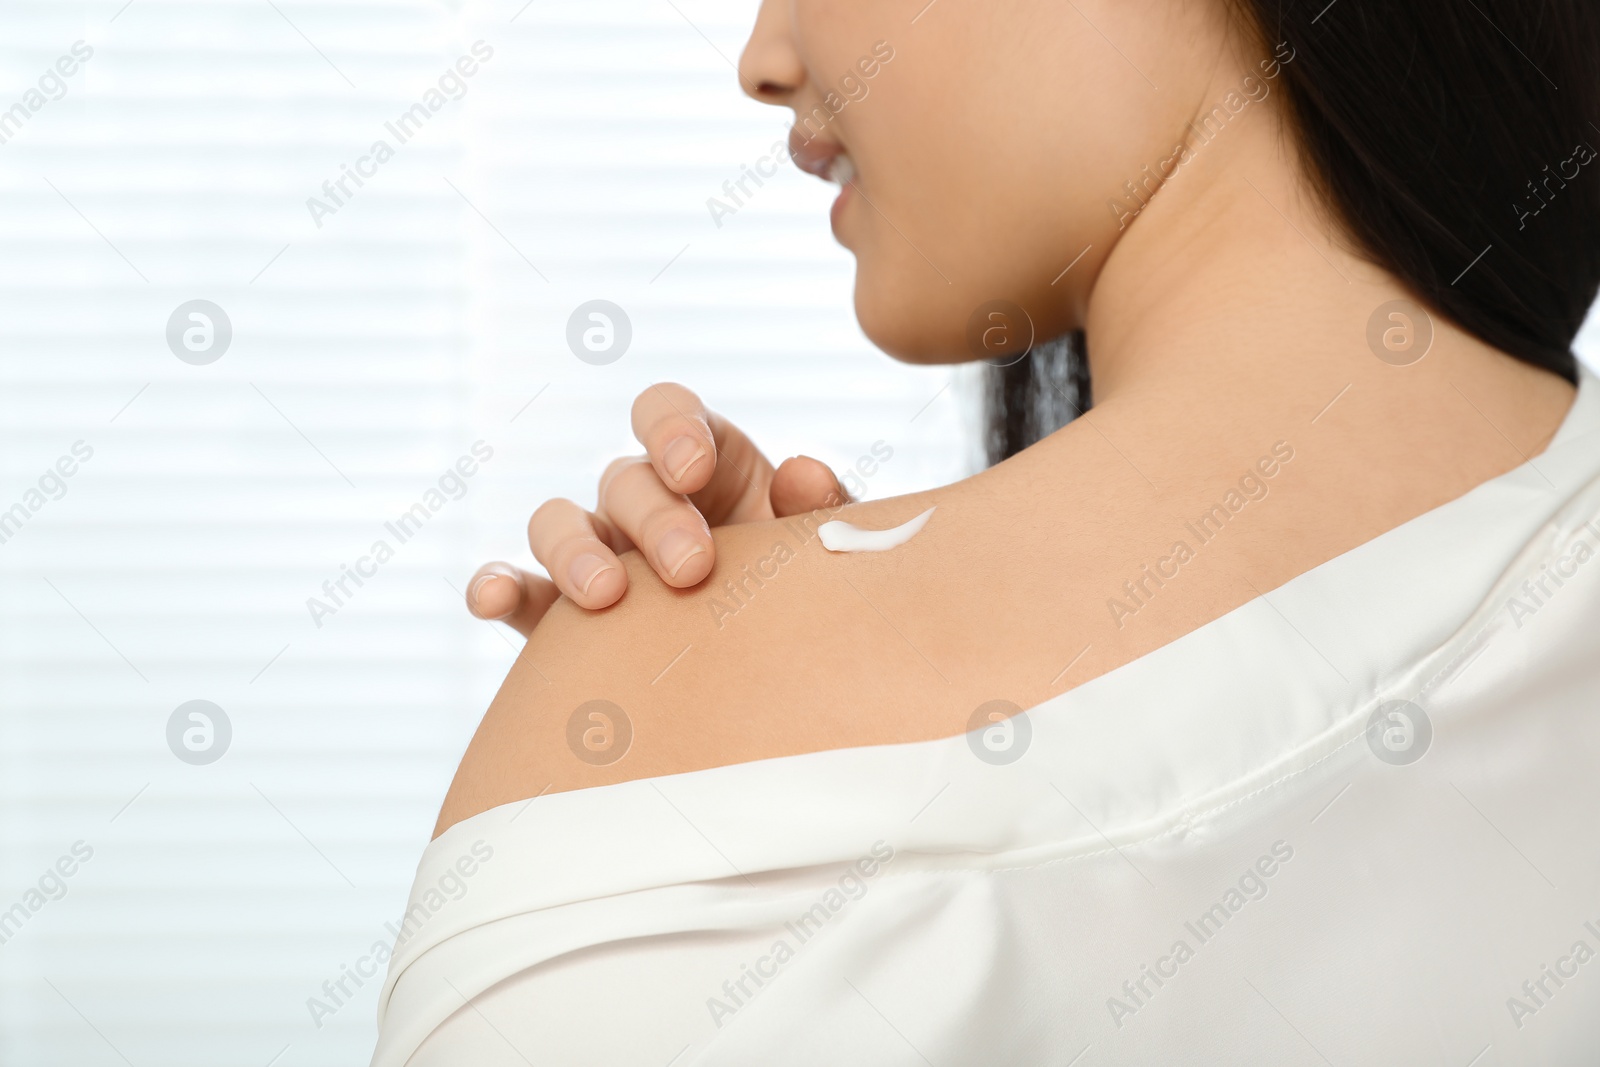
(1299,612)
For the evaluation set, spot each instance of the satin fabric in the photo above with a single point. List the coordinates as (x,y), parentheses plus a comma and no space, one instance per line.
(1354,821)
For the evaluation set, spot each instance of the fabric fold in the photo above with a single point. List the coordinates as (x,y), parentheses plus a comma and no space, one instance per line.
(1158,773)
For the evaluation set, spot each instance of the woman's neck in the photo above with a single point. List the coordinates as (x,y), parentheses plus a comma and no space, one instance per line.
(1230,273)
(1233,291)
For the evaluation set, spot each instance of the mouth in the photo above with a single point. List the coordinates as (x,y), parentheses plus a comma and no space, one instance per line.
(819,157)
(827,160)
(842,170)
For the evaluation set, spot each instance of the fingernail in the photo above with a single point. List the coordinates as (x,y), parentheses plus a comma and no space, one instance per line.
(476,593)
(682,454)
(676,548)
(585,569)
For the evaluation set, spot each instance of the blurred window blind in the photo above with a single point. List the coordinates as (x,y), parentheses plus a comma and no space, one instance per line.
(375,339)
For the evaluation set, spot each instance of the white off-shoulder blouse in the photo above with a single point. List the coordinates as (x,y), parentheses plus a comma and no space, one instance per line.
(1354,821)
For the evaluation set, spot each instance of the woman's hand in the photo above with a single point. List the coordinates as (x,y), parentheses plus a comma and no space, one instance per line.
(699,471)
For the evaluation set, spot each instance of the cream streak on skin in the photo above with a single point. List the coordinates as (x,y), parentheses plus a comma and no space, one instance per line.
(840,536)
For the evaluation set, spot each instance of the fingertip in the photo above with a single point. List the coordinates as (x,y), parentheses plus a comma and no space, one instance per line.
(802,484)
(673,425)
(688,461)
(607,588)
(594,579)
(684,559)
(693,571)
(493,595)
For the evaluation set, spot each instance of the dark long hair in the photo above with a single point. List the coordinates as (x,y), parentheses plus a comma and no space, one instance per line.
(1444,135)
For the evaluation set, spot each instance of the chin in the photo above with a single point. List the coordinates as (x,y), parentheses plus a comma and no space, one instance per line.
(909,319)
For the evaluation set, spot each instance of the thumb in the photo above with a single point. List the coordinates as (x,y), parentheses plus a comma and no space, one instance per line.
(804,484)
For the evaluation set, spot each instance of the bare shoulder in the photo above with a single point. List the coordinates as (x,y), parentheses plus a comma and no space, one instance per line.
(786,648)
(1030,578)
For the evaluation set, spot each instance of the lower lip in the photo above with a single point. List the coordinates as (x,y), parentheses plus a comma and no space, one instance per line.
(835,213)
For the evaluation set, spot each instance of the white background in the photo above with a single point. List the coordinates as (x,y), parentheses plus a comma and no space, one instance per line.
(368,355)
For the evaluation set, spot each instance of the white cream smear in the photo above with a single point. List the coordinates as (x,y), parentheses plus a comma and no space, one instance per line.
(840,536)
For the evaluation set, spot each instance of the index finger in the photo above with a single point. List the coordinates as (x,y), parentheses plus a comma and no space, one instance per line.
(702,455)
(673,425)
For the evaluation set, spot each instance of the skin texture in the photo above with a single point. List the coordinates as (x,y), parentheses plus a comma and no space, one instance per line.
(1227,325)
